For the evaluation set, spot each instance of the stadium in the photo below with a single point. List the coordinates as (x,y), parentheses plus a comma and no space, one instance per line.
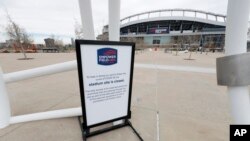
(173,28)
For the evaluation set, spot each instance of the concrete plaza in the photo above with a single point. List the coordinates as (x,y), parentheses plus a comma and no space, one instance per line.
(191,106)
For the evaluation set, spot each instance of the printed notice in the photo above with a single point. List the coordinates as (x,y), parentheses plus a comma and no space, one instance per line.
(108,92)
(106,80)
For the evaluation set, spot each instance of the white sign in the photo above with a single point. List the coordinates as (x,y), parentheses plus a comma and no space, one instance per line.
(106,72)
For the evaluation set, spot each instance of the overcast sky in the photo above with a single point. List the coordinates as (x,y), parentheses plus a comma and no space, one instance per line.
(41,18)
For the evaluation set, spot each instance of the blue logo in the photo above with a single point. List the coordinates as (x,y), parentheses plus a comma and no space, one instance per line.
(106,56)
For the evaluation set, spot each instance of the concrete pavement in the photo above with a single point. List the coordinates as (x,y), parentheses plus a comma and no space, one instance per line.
(191,106)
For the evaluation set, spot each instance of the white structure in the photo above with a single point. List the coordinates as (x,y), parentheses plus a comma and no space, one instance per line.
(5,118)
(235,43)
(236,37)
(4,103)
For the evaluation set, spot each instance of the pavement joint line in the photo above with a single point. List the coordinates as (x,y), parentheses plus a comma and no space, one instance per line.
(145,108)
(156,99)
(177,68)
(54,105)
(65,99)
(158,126)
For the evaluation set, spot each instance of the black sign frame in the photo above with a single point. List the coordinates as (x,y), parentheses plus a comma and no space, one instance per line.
(84,126)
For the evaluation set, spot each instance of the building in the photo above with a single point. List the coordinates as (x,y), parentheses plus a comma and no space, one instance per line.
(7,44)
(49,43)
(173,28)
(73,42)
(39,46)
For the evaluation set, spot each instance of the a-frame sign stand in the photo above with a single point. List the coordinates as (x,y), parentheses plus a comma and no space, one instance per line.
(86,131)
(105,70)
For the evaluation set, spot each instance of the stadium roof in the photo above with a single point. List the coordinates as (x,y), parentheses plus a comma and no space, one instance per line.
(175,14)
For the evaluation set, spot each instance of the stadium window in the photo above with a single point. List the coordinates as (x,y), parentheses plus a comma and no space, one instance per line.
(156,41)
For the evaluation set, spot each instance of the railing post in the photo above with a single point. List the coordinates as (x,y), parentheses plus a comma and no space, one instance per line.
(4,103)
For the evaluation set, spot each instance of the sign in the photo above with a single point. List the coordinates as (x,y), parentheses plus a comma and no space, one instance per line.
(107,56)
(105,74)
(158,30)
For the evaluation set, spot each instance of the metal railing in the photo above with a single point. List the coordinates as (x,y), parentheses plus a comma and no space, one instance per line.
(239,95)
(5,116)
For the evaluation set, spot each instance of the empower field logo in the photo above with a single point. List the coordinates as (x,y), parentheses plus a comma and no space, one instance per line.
(106,56)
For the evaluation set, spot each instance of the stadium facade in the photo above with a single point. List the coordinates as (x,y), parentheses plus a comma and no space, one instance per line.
(173,28)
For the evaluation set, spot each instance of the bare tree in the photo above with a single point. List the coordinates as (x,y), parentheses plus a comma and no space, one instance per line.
(18,35)
(78,31)
(59,43)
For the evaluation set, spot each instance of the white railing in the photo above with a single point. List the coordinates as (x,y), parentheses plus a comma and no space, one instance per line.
(72,112)
(5,111)
(40,71)
(5,117)
(240,116)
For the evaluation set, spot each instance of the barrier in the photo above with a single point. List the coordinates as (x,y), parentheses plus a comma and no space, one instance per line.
(40,71)
(235,37)
(6,119)
(4,103)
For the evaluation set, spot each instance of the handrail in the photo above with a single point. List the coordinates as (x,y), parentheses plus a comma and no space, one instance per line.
(6,119)
(70,112)
(40,71)
(58,68)
(72,65)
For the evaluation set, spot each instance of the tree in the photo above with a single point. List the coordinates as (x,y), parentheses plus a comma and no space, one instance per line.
(18,35)
(78,31)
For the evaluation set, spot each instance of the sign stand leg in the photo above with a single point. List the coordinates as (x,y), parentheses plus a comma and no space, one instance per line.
(130,125)
(86,131)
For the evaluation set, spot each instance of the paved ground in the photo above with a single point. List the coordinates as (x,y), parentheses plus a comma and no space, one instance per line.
(191,106)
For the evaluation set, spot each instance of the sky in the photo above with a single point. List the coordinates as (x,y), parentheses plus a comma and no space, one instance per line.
(43,18)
